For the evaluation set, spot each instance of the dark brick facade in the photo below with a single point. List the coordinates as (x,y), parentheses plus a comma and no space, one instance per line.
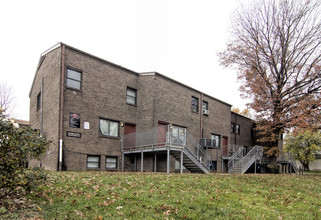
(103,95)
(245,135)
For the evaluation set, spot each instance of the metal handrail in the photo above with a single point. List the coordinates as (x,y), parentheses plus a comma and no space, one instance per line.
(248,158)
(197,151)
(163,136)
(245,162)
(236,157)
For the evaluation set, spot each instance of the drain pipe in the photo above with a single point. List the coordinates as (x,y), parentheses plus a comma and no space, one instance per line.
(201,116)
(61,113)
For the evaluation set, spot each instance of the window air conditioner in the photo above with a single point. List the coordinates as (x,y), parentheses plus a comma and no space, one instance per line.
(206,111)
(206,142)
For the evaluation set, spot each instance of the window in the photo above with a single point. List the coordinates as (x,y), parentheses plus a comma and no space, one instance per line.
(205,108)
(39,100)
(108,128)
(111,162)
(178,135)
(131,96)
(232,127)
(238,129)
(194,104)
(73,79)
(217,140)
(205,105)
(93,162)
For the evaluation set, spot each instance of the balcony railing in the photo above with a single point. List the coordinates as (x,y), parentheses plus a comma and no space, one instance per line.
(165,137)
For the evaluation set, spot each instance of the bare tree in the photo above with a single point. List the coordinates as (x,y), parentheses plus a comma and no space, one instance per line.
(6,99)
(276,47)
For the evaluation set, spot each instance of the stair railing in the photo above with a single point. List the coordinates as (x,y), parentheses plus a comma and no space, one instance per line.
(197,151)
(238,155)
(254,154)
(289,157)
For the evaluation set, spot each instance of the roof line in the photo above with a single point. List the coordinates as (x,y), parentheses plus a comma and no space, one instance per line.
(101,59)
(182,84)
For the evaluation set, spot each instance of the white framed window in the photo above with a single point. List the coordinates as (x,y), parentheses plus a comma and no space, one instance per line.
(93,162)
(73,79)
(108,128)
(111,162)
(131,96)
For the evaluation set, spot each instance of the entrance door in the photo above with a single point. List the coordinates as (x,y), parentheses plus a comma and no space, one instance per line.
(161,133)
(130,136)
(225,143)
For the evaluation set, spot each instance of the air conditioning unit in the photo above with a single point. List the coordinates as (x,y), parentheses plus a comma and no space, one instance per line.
(206,111)
(206,142)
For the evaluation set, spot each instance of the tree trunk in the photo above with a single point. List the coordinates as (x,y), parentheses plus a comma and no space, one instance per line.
(305,165)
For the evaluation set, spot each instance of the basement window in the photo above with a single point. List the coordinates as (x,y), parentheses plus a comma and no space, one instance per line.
(111,162)
(93,162)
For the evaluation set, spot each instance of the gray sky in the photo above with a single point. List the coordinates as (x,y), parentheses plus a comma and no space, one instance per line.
(177,38)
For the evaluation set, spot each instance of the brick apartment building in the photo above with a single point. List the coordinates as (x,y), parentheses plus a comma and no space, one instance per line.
(89,108)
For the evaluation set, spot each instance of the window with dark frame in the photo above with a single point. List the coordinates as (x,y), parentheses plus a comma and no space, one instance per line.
(39,101)
(205,105)
(108,128)
(111,162)
(238,129)
(217,140)
(93,162)
(194,104)
(73,79)
(131,96)
(232,127)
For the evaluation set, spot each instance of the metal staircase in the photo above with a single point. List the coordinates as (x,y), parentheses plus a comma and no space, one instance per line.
(239,164)
(179,144)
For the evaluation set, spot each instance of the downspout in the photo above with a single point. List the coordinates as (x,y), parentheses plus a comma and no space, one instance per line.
(201,116)
(61,113)
(235,130)
(41,106)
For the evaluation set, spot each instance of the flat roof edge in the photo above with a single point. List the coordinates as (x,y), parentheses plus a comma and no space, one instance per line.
(182,84)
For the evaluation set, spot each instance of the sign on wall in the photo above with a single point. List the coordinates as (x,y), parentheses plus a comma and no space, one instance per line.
(73,134)
(74,120)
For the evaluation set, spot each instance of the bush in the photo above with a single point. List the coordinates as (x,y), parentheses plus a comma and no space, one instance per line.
(272,168)
(17,145)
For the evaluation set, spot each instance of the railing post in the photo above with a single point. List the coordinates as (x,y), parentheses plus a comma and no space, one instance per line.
(185,136)
(181,167)
(122,161)
(142,161)
(168,160)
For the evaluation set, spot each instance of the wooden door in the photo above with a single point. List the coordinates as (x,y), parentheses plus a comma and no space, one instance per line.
(225,144)
(161,133)
(130,136)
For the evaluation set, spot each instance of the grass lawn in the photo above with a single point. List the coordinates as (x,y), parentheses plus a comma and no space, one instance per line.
(103,195)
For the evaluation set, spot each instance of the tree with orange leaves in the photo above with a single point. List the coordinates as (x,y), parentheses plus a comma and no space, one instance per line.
(276,48)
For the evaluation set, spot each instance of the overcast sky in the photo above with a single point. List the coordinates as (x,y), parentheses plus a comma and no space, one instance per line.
(179,39)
